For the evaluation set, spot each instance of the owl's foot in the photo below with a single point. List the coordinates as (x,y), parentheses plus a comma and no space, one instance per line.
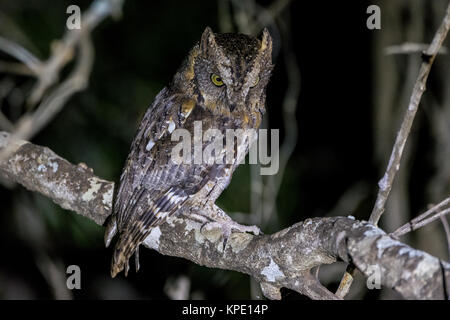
(227,226)
(216,218)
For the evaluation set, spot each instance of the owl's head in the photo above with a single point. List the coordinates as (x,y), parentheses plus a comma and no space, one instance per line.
(229,72)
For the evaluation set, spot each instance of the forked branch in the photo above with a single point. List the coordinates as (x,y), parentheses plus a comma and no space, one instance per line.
(283,259)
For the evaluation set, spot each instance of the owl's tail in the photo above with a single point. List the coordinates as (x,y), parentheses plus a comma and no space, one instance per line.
(123,251)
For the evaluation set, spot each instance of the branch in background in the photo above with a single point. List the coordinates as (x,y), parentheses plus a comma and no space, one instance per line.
(409,47)
(47,73)
(73,187)
(283,259)
(98,11)
(424,219)
(21,54)
(385,184)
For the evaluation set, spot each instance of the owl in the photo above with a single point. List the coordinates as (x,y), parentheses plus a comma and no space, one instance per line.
(221,84)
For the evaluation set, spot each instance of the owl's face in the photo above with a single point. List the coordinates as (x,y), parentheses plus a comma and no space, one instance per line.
(230,72)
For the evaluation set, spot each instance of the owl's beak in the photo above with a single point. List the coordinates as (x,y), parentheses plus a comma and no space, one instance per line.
(235,98)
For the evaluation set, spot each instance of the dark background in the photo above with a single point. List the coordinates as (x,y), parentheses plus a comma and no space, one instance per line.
(135,57)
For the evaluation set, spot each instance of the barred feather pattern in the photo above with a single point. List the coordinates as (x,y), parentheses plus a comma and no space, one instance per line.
(152,186)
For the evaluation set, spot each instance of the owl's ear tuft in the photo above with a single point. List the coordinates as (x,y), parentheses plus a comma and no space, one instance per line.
(208,40)
(266,42)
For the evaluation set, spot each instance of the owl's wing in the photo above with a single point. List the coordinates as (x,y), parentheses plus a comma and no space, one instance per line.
(148,193)
(167,112)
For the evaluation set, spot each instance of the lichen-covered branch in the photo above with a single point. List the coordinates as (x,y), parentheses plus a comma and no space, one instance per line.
(73,187)
(283,259)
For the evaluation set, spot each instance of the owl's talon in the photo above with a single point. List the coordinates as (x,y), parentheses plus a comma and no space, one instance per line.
(127,268)
(239,227)
(227,227)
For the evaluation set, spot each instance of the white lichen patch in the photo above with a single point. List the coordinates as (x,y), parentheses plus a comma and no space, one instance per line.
(410,251)
(152,240)
(94,187)
(172,220)
(211,232)
(373,232)
(281,233)
(63,195)
(42,168)
(383,183)
(385,243)
(191,225)
(427,266)
(54,166)
(406,275)
(107,197)
(272,272)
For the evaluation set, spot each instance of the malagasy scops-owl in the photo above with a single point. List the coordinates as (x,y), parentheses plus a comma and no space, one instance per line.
(222,84)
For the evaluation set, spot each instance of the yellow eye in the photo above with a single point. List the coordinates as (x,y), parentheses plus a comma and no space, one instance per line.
(255,82)
(216,80)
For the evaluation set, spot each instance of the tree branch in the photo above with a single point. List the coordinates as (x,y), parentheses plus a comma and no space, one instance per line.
(385,184)
(73,187)
(47,73)
(283,259)
(429,55)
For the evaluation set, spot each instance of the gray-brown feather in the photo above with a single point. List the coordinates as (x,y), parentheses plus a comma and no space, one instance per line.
(152,186)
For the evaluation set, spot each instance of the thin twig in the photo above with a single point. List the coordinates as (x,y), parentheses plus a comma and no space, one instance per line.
(433,209)
(99,10)
(346,282)
(29,124)
(32,122)
(77,81)
(414,225)
(409,47)
(385,184)
(21,54)
(16,68)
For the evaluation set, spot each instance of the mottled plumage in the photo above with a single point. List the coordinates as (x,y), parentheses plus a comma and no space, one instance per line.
(153,186)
